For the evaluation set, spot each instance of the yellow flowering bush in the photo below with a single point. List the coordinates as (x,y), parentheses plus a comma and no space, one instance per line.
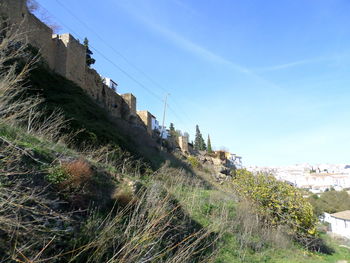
(277,203)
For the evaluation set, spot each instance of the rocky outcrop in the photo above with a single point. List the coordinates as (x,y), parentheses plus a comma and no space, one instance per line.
(220,169)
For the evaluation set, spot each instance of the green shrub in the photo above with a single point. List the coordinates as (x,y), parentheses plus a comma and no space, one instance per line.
(330,202)
(57,175)
(277,203)
(193,161)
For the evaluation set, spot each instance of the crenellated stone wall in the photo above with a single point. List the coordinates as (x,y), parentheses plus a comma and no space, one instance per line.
(66,56)
(70,58)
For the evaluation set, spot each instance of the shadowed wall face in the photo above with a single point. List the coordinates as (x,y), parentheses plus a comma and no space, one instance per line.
(146,118)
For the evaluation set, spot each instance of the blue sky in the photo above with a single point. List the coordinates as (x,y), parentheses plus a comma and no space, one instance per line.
(268,80)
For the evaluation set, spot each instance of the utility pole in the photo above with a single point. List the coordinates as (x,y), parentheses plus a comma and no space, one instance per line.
(161,134)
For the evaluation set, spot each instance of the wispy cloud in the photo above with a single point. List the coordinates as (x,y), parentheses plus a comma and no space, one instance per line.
(197,49)
(296,63)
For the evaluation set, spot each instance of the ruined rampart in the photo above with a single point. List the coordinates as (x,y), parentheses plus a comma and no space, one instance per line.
(66,56)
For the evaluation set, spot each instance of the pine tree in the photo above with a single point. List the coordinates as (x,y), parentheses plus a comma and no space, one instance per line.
(89,59)
(199,143)
(209,149)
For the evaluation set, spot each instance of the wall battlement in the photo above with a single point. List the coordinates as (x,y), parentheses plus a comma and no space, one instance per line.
(67,56)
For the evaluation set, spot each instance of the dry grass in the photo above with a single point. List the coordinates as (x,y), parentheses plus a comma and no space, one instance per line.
(79,173)
(26,214)
(17,107)
(150,227)
(13,48)
(252,233)
(145,231)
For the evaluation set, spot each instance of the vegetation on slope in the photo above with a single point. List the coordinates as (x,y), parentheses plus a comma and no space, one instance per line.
(330,202)
(65,197)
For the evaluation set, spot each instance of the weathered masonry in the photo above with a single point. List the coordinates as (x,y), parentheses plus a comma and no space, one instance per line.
(66,56)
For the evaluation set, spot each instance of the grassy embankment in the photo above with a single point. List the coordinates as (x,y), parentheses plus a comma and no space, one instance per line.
(79,197)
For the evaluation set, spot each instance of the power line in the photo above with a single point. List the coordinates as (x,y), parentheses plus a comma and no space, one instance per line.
(106,58)
(123,57)
(117,66)
(112,48)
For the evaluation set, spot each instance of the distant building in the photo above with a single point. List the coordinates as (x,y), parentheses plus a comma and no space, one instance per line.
(238,162)
(316,178)
(230,158)
(339,223)
(155,124)
(164,132)
(148,119)
(110,83)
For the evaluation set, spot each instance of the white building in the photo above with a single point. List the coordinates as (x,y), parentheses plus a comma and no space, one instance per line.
(238,162)
(339,223)
(318,177)
(155,123)
(110,83)
(164,133)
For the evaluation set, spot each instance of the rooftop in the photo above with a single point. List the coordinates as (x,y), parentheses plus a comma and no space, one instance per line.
(342,215)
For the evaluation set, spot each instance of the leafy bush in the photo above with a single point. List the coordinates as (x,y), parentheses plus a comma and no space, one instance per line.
(57,175)
(193,161)
(277,203)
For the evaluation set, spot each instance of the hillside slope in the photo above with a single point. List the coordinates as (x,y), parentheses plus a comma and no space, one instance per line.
(79,186)
(91,123)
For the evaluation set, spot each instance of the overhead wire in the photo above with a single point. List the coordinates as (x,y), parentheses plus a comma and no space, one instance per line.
(155,83)
(104,56)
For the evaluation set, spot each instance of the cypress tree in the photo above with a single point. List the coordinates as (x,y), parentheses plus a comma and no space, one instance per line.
(199,143)
(209,149)
(89,59)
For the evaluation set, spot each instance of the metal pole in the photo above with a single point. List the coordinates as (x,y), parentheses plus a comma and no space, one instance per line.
(161,135)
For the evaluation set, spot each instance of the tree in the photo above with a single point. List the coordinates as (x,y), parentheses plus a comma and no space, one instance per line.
(199,143)
(172,131)
(330,202)
(89,59)
(209,149)
(34,8)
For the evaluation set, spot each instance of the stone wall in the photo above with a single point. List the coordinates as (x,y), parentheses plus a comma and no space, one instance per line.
(130,99)
(29,27)
(66,56)
(104,95)
(75,63)
(146,118)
